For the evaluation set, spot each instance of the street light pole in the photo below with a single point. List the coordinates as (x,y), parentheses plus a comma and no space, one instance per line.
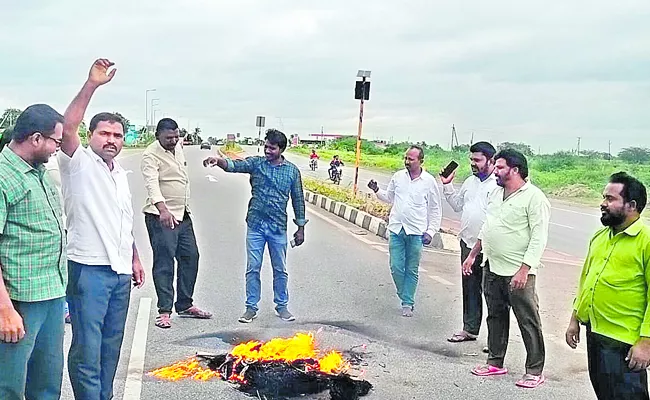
(152,113)
(146,108)
(362,92)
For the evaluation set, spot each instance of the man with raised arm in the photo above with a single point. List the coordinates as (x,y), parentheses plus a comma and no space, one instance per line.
(102,254)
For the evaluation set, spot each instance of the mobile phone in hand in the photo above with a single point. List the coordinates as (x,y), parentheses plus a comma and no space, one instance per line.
(293,243)
(451,167)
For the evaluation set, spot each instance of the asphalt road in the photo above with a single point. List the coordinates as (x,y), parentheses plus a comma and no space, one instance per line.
(571,225)
(340,286)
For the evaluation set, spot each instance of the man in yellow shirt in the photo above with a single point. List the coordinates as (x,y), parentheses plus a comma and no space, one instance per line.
(513,239)
(169,224)
(612,298)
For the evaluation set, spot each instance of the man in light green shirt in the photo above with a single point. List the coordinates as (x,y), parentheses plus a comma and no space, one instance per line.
(612,297)
(513,239)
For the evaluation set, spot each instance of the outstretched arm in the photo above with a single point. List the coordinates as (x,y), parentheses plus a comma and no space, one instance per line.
(75,112)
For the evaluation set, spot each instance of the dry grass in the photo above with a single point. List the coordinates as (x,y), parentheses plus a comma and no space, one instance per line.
(362,201)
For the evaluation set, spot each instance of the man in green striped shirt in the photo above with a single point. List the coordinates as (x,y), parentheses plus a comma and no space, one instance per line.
(34,269)
(612,297)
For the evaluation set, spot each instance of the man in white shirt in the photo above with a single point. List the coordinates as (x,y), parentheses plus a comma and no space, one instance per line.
(52,168)
(471,200)
(414,219)
(102,257)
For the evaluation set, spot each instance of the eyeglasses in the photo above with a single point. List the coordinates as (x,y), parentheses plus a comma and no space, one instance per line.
(57,141)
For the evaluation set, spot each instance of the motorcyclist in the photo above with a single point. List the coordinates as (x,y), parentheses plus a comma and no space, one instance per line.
(335,163)
(313,159)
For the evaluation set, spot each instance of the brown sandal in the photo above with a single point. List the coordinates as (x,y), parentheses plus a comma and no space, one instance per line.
(164,321)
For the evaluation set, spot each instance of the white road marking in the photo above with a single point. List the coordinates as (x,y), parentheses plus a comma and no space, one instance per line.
(561,226)
(133,385)
(422,270)
(574,212)
(440,280)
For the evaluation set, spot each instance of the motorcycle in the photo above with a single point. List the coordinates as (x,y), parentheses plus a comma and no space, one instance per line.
(336,175)
(313,164)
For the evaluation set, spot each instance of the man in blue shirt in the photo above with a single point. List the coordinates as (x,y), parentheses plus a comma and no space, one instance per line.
(273,180)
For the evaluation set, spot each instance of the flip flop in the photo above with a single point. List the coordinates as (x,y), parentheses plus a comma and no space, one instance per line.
(195,312)
(530,381)
(461,337)
(488,370)
(164,321)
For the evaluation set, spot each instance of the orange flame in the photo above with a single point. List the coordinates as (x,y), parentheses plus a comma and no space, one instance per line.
(189,368)
(300,347)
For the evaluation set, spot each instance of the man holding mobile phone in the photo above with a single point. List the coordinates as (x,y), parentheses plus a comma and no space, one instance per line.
(471,200)
(414,219)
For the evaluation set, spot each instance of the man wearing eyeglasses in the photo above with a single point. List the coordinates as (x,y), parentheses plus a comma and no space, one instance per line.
(32,260)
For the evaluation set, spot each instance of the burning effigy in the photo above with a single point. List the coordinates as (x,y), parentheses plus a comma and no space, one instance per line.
(279,368)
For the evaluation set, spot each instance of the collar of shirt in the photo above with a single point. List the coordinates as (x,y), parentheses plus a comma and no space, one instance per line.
(18,162)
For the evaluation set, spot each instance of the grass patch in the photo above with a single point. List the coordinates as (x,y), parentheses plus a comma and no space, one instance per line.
(362,201)
(579,179)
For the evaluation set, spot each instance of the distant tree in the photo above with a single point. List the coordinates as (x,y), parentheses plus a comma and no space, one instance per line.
(636,155)
(524,148)
(125,121)
(9,117)
(183,132)
(463,148)
(5,137)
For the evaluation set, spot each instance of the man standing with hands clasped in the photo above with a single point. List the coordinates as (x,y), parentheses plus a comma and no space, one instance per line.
(102,256)
(414,219)
(612,298)
(513,238)
(273,180)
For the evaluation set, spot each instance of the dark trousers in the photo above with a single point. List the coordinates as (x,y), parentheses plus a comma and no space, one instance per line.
(472,292)
(98,298)
(32,369)
(524,302)
(168,245)
(611,377)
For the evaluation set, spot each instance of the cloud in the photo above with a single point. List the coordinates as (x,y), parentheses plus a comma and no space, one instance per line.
(534,71)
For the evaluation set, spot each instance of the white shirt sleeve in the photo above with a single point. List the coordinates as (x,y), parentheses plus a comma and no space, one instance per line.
(72,165)
(434,210)
(388,195)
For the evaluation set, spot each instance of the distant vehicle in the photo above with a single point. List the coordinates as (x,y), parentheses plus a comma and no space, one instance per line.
(206,145)
(220,142)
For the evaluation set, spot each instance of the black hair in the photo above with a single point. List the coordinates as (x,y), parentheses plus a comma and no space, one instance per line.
(166,124)
(105,117)
(514,159)
(36,118)
(633,189)
(420,149)
(483,147)
(276,137)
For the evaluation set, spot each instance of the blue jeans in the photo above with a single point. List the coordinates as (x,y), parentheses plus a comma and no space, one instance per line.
(256,240)
(99,300)
(32,369)
(405,253)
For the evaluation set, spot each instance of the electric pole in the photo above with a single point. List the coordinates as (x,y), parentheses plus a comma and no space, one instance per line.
(579,145)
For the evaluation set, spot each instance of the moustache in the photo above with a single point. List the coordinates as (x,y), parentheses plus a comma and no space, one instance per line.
(110,146)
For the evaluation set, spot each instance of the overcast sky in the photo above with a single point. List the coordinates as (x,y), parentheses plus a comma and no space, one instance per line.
(535,71)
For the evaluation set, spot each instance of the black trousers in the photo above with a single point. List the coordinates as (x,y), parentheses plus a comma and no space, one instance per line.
(169,245)
(472,292)
(611,377)
(524,302)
